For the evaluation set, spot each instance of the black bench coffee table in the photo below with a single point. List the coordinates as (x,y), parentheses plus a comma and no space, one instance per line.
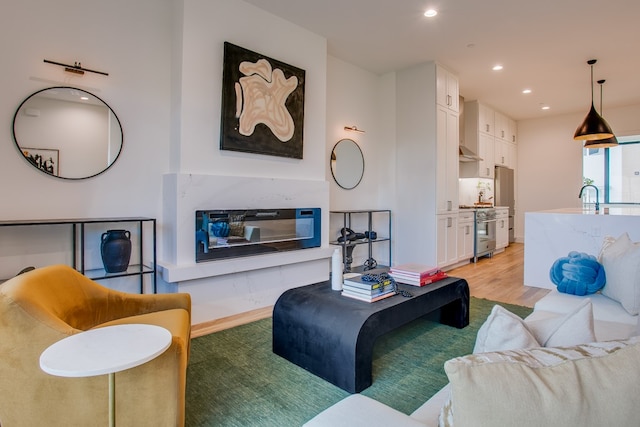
(333,336)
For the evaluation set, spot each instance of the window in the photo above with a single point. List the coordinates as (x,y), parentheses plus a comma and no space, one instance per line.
(615,171)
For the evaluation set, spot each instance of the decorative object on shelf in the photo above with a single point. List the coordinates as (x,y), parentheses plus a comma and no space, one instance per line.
(348,259)
(220,228)
(602,143)
(353,129)
(76,68)
(262,104)
(336,270)
(594,126)
(115,250)
(347,234)
(349,239)
(70,124)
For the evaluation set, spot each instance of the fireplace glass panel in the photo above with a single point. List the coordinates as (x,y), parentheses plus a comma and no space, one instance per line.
(236,233)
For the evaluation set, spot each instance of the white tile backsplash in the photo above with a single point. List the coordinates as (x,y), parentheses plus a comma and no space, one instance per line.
(469,189)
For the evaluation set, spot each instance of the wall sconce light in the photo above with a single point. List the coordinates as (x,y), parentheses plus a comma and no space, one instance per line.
(602,143)
(76,68)
(593,125)
(353,129)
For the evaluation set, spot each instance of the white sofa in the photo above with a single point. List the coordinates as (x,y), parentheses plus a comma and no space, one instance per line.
(610,322)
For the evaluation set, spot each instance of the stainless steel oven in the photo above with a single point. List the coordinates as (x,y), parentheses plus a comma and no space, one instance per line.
(485,233)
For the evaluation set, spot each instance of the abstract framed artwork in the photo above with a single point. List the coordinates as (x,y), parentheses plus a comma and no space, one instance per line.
(262,104)
(47,160)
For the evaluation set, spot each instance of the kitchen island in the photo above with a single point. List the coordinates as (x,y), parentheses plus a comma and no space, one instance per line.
(551,234)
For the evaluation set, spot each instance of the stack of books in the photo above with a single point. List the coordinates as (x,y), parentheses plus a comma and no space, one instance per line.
(356,288)
(416,274)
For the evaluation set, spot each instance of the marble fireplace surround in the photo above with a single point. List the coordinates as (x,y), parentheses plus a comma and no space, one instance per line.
(237,278)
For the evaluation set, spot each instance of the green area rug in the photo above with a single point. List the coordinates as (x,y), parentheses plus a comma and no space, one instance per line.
(234,379)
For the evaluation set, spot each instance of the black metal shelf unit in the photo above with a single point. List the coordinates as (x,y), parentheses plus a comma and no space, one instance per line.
(347,220)
(78,238)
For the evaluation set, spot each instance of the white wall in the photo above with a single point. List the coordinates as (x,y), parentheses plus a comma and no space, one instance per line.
(164,59)
(356,97)
(129,40)
(549,169)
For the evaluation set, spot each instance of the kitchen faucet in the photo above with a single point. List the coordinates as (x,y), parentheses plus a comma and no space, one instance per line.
(597,195)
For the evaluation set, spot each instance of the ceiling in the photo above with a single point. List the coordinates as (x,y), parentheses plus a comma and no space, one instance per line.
(543,45)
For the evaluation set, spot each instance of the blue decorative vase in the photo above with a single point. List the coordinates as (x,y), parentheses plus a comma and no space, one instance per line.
(115,249)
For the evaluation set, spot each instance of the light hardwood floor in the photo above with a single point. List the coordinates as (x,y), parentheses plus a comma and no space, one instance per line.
(500,278)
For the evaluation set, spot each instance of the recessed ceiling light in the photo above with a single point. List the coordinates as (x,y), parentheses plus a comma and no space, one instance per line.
(497,67)
(84,98)
(431,13)
(546,107)
(526,91)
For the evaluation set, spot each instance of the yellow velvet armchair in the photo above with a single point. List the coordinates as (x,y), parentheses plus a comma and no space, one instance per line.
(48,304)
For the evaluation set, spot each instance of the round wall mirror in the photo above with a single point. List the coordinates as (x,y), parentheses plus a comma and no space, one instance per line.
(347,164)
(67,133)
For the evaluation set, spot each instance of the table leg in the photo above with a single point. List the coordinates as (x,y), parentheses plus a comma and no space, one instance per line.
(112,399)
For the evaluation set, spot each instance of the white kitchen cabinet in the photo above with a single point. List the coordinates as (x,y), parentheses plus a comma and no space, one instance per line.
(502,127)
(447,165)
(466,235)
(486,119)
(502,152)
(447,91)
(513,131)
(426,166)
(490,134)
(502,228)
(486,150)
(513,155)
(447,249)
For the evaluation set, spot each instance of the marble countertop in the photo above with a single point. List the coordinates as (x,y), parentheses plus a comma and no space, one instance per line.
(604,210)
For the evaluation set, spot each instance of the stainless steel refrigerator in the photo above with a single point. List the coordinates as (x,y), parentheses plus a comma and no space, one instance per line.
(503,195)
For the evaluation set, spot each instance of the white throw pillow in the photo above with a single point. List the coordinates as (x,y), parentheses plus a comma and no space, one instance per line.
(573,328)
(621,262)
(503,330)
(588,385)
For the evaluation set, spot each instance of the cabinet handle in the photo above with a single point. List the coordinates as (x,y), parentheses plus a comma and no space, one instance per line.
(487,126)
(503,160)
(466,229)
(449,205)
(449,222)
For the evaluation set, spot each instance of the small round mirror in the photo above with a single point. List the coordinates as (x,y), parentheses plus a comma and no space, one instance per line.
(67,133)
(347,164)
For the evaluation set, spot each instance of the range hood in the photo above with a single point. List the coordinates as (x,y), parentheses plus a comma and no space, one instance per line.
(466,155)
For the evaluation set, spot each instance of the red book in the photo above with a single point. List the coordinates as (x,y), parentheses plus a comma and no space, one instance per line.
(419,281)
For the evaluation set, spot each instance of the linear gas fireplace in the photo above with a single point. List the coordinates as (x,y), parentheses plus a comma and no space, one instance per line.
(236,233)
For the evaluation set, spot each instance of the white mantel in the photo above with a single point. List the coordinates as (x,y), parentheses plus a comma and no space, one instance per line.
(230,286)
(552,234)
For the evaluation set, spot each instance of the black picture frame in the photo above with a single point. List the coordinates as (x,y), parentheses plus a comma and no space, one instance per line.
(45,159)
(244,116)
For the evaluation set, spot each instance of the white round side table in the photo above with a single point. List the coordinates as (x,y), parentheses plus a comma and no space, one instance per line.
(105,351)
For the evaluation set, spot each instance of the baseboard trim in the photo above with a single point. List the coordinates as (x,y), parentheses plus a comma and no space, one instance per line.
(230,321)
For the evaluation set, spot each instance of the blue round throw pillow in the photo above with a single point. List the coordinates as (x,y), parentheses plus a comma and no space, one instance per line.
(578,274)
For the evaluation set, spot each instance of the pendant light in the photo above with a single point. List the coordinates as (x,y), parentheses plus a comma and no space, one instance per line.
(593,126)
(602,143)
